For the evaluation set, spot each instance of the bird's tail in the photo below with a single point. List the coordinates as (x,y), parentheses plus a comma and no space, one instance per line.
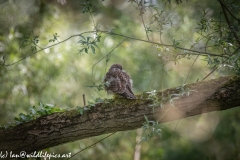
(128,95)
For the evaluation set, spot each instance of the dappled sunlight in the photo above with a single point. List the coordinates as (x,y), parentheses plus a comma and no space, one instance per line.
(198,129)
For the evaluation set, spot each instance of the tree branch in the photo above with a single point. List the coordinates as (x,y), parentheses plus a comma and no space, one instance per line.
(50,46)
(223,6)
(121,115)
(194,52)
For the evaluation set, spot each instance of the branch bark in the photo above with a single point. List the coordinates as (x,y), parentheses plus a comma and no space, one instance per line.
(121,115)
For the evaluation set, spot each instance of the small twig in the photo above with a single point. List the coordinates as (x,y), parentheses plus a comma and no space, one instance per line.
(172,132)
(46,48)
(107,59)
(38,46)
(229,11)
(163,114)
(141,14)
(208,37)
(197,58)
(228,21)
(215,67)
(168,45)
(106,56)
(191,69)
(195,61)
(91,145)
(84,100)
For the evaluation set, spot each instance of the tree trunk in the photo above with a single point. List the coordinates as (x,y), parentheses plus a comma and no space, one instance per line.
(122,114)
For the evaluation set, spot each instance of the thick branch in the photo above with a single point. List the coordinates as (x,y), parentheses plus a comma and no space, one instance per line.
(121,115)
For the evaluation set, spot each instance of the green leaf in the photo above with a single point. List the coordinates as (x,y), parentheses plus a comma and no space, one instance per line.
(146,119)
(33,110)
(88,38)
(92,104)
(80,110)
(95,45)
(93,49)
(17,119)
(22,117)
(86,50)
(81,50)
(40,113)
(99,100)
(82,36)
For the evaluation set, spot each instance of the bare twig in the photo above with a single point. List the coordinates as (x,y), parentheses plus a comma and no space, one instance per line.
(191,69)
(77,35)
(84,100)
(216,67)
(92,145)
(194,52)
(140,7)
(224,5)
(228,21)
(107,55)
(172,131)
(196,59)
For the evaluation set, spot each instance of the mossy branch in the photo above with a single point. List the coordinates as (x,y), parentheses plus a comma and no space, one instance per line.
(121,115)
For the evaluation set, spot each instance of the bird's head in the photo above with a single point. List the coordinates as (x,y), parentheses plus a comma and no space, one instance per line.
(118,66)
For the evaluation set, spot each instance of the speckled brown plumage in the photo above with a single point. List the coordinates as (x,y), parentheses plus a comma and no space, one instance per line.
(117,81)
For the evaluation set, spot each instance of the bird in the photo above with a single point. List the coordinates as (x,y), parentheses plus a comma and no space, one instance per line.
(117,81)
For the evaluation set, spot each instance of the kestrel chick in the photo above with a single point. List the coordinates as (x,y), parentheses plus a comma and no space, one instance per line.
(117,81)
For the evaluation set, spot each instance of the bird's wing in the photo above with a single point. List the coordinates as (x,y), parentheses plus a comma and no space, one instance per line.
(128,82)
(127,79)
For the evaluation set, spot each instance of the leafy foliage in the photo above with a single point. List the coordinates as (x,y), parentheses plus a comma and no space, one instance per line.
(81,110)
(88,43)
(150,129)
(35,112)
(55,38)
(32,40)
(87,7)
(84,109)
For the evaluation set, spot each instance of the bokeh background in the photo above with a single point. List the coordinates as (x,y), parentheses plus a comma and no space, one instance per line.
(60,75)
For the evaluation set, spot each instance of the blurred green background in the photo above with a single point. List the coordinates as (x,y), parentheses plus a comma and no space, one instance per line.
(60,75)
